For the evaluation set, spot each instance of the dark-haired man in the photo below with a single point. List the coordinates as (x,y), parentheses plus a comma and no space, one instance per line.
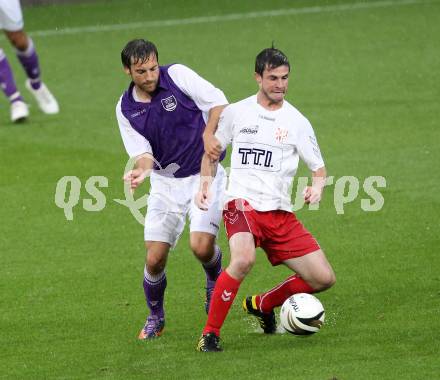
(269,136)
(162,117)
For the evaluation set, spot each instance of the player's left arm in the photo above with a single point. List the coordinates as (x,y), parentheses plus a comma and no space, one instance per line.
(209,99)
(313,194)
(308,150)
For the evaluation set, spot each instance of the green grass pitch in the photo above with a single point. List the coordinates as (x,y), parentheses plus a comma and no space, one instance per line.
(367,76)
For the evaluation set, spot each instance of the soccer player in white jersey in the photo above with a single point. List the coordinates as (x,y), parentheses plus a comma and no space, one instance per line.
(268,137)
(11,21)
(162,117)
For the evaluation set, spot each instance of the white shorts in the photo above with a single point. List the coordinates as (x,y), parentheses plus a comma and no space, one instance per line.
(172,199)
(11,18)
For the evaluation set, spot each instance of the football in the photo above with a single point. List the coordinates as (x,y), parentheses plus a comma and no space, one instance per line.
(302,314)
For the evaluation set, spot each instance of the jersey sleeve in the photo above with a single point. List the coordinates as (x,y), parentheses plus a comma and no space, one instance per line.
(135,144)
(204,94)
(225,129)
(308,148)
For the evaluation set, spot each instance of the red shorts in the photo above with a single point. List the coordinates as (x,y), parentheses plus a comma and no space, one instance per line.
(277,232)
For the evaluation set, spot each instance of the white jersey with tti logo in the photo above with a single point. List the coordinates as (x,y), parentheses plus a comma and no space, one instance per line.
(266,147)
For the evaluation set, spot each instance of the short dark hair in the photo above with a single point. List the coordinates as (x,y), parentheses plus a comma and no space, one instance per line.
(270,58)
(138,50)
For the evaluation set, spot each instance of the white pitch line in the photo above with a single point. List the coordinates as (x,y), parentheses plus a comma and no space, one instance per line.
(227,17)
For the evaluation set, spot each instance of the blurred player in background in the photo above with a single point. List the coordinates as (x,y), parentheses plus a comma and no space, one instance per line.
(268,137)
(11,21)
(162,117)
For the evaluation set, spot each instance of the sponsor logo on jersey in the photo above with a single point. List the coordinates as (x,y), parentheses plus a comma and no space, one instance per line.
(266,118)
(169,104)
(138,113)
(252,130)
(256,156)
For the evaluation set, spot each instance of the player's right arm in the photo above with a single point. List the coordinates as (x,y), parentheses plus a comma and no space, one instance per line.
(208,171)
(137,147)
(143,167)
(209,165)
(216,140)
(211,144)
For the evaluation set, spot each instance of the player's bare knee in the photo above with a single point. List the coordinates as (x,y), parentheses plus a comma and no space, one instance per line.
(155,266)
(202,245)
(324,281)
(243,264)
(203,250)
(155,263)
(18,39)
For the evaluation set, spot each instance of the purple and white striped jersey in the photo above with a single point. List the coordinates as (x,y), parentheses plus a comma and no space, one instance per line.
(170,127)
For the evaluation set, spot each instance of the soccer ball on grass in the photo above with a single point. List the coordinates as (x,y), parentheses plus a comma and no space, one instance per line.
(302,314)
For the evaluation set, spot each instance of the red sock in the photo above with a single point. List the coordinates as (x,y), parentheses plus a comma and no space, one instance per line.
(276,296)
(226,288)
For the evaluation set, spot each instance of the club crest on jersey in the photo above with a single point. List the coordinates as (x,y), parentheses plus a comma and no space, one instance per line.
(169,104)
(281,135)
